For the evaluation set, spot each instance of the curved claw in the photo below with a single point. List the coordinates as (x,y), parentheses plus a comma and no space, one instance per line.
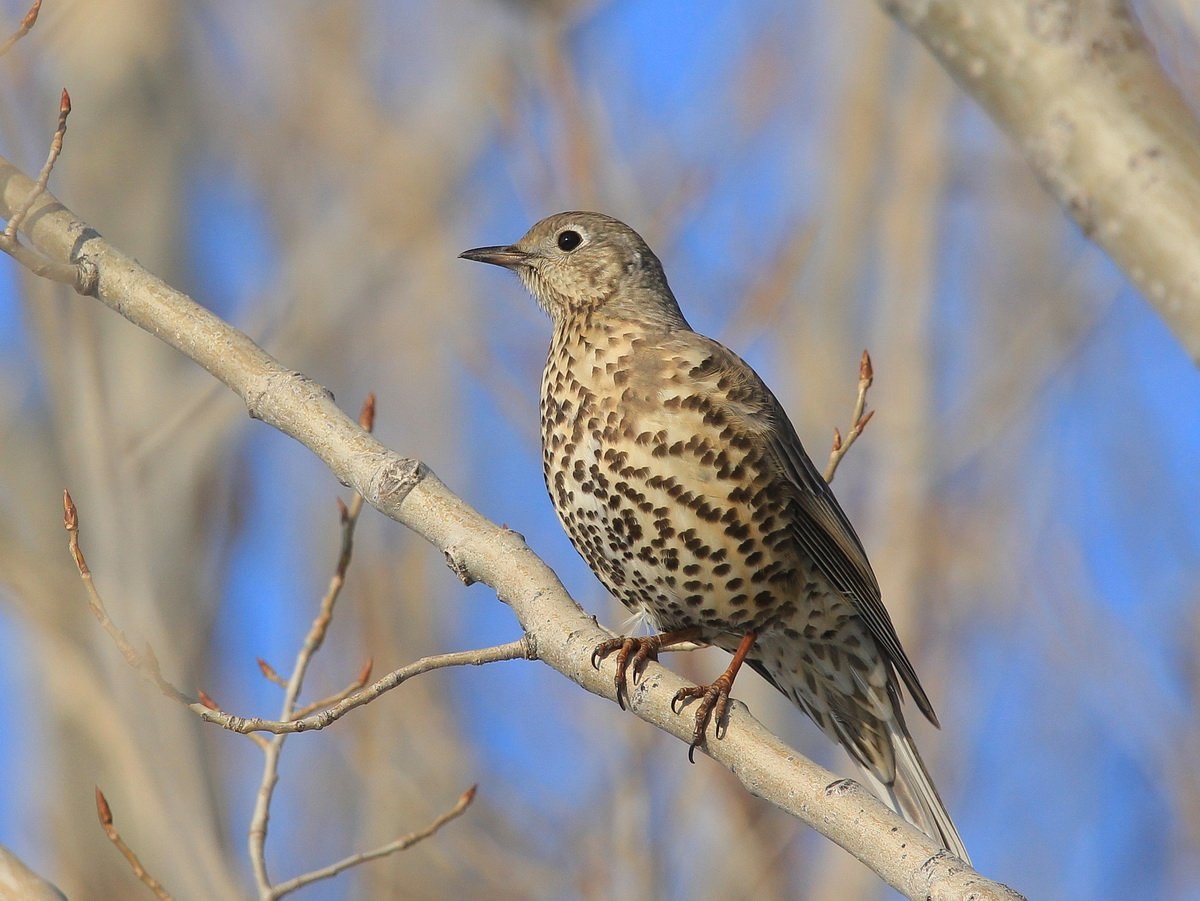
(604,649)
(714,701)
(635,651)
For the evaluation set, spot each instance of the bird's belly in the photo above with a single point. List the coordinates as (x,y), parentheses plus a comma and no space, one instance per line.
(674,528)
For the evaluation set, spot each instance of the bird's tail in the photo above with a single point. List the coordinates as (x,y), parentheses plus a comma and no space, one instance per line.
(912,793)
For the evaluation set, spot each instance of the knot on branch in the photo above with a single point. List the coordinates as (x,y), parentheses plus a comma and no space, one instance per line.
(459,566)
(262,389)
(392,482)
(87,276)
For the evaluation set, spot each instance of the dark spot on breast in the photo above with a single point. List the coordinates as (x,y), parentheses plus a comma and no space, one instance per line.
(738,530)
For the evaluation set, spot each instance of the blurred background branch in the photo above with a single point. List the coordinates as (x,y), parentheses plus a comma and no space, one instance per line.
(1080,90)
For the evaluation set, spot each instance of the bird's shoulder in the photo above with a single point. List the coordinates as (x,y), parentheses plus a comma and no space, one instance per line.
(683,368)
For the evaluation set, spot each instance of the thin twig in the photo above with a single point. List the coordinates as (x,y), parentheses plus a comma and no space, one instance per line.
(866,375)
(106,821)
(521,649)
(23,29)
(43,179)
(360,680)
(82,275)
(270,674)
(401,844)
(260,819)
(146,663)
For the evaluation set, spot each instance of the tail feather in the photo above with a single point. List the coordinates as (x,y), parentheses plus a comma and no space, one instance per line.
(875,736)
(913,795)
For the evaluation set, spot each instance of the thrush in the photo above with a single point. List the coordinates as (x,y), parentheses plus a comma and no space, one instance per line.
(681,481)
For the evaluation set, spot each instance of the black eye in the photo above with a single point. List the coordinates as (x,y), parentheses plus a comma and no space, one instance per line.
(568,240)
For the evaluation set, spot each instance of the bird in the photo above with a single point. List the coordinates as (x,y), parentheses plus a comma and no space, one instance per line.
(681,481)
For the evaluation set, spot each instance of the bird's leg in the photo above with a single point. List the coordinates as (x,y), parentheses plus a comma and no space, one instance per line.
(714,698)
(637,651)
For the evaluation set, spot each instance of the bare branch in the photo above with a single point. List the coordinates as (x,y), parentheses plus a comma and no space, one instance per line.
(401,844)
(360,680)
(104,812)
(81,275)
(146,663)
(312,643)
(270,674)
(23,29)
(43,179)
(866,375)
(521,649)
(1097,118)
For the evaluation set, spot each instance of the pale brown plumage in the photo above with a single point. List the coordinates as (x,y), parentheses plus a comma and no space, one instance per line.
(680,480)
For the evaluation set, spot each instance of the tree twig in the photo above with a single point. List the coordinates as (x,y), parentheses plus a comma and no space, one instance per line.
(866,375)
(260,819)
(145,662)
(104,812)
(80,275)
(400,844)
(23,29)
(364,675)
(43,179)
(521,649)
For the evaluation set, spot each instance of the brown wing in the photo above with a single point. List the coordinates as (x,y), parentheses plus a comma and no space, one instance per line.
(821,529)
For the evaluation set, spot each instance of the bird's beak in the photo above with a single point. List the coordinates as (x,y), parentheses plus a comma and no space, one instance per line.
(508,257)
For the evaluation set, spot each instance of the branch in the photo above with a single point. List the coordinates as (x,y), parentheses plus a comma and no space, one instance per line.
(145,662)
(27,23)
(1080,90)
(858,422)
(400,844)
(521,649)
(310,718)
(81,275)
(562,634)
(104,812)
(273,749)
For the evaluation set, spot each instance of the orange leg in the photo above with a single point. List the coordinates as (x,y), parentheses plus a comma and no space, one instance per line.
(637,651)
(714,698)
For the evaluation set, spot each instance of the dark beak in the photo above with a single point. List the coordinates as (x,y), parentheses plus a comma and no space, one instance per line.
(508,257)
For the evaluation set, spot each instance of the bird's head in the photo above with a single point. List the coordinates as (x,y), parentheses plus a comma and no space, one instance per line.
(579,263)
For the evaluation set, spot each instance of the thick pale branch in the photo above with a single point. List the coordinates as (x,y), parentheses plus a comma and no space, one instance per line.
(563,635)
(1080,90)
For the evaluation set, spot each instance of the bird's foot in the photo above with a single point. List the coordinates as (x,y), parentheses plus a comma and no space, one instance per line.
(636,652)
(714,701)
(714,697)
(630,650)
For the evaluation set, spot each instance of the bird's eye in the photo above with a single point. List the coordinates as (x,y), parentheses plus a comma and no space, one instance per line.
(568,240)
